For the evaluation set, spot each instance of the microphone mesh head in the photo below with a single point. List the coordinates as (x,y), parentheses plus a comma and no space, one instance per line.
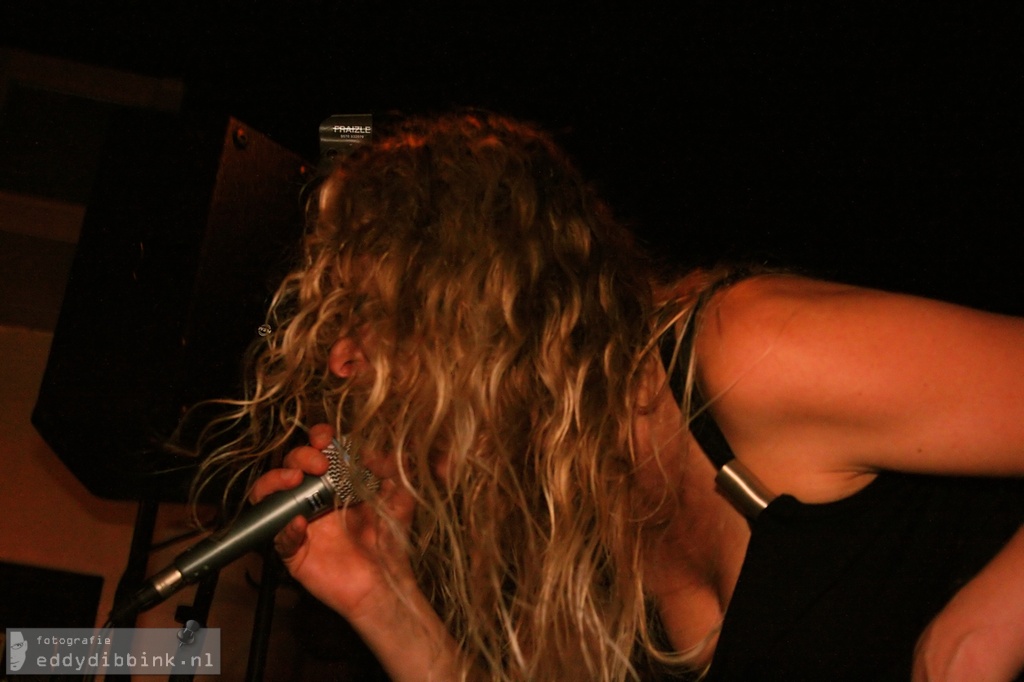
(342,465)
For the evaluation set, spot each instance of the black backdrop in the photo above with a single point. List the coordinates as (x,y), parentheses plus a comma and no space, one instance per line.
(873,142)
(877,145)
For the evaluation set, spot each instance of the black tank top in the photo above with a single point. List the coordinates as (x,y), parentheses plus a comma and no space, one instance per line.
(842,591)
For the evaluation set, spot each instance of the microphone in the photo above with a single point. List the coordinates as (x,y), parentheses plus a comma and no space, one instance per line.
(315,496)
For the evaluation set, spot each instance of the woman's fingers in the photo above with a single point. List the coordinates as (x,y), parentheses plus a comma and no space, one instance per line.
(288,541)
(272,481)
(320,436)
(307,458)
(400,503)
(302,460)
(361,521)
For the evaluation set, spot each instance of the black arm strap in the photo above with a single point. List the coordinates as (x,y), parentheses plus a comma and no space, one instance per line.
(702,425)
(739,484)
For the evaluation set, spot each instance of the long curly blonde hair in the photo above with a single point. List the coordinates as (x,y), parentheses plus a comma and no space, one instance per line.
(509,315)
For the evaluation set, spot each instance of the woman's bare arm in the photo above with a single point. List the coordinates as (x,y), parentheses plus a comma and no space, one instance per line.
(820,386)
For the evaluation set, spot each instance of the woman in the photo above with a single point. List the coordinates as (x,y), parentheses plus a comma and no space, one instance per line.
(522,384)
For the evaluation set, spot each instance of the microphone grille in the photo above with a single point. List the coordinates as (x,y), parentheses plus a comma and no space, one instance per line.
(342,465)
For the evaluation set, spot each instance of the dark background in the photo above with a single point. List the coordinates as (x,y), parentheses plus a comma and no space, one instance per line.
(871,144)
(877,144)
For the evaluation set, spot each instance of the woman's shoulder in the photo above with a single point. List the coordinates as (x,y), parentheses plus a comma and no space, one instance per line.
(751,326)
(764,345)
(853,380)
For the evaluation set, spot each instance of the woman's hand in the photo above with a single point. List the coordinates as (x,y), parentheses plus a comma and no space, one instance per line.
(343,558)
(353,561)
(979,635)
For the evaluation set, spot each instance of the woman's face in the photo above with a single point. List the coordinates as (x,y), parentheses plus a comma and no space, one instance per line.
(347,360)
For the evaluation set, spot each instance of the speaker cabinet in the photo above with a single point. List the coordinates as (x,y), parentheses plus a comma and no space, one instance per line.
(192,222)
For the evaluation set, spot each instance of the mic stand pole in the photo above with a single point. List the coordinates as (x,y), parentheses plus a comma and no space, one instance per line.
(138,559)
(135,570)
(263,618)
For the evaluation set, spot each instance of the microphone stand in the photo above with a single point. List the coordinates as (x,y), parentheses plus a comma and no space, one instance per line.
(138,560)
(136,572)
(263,618)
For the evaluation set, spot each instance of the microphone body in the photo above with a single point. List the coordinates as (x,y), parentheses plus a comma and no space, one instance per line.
(312,498)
